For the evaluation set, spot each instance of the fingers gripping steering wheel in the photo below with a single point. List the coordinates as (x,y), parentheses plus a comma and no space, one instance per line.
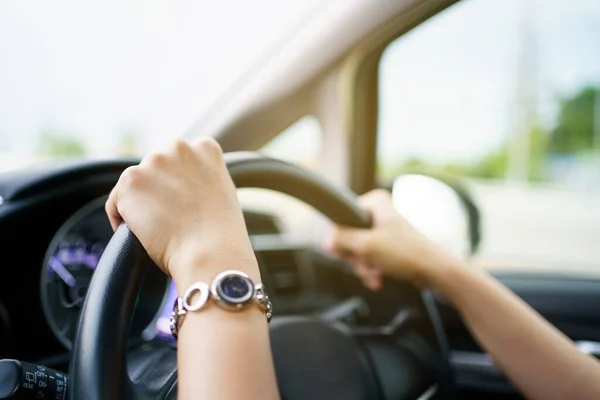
(99,367)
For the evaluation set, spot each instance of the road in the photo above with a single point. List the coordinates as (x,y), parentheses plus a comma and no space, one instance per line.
(538,226)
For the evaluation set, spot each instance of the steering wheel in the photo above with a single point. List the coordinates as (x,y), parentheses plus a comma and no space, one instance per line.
(314,357)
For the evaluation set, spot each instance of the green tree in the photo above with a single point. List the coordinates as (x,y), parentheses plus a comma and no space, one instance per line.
(572,134)
(492,165)
(56,144)
(574,131)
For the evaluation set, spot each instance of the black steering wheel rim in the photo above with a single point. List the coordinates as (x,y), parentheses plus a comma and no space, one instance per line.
(106,313)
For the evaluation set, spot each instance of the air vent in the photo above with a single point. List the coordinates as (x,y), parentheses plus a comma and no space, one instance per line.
(282,271)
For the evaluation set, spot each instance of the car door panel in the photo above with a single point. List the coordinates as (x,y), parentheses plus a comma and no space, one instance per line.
(569,302)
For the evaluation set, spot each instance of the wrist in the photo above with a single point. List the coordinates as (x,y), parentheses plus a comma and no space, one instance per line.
(187,268)
(440,267)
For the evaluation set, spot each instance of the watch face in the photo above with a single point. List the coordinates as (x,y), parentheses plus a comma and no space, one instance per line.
(235,289)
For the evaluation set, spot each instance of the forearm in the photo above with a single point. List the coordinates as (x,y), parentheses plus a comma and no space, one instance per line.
(541,361)
(223,354)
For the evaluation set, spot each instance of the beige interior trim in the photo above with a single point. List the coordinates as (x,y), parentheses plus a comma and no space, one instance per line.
(361,81)
(328,109)
(297,80)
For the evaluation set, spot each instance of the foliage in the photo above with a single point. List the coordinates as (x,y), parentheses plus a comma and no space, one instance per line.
(573,134)
(574,131)
(493,165)
(55,144)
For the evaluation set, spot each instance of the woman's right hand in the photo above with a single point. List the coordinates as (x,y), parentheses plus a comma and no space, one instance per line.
(390,247)
(182,205)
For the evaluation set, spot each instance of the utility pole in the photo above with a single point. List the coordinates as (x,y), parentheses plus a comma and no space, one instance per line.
(524,104)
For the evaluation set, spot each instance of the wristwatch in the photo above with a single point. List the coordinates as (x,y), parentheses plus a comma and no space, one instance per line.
(232,290)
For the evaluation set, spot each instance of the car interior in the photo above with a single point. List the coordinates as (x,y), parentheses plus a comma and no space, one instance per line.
(86,313)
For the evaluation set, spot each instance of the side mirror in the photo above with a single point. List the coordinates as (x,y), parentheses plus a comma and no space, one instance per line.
(444,212)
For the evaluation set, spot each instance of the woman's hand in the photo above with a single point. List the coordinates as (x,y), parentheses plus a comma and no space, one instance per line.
(391,247)
(536,357)
(182,206)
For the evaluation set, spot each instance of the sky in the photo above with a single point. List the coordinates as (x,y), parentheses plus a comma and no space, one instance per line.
(448,88)
(96,69)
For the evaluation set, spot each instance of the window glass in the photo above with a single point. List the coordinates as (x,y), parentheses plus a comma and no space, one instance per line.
(505,95)
(99,79)
(300,143)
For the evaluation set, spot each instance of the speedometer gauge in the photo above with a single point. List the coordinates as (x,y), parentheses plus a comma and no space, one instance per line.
(69,266)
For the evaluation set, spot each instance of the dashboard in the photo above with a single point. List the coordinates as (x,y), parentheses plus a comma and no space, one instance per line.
(67,266)
(78,244)
(53,231)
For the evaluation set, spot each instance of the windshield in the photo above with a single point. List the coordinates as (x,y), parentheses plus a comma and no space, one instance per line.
(100,79)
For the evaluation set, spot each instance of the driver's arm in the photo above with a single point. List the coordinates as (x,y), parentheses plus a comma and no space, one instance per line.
(541,361)
(182,206)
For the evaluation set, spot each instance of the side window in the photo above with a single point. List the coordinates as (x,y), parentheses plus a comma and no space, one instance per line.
(506,96)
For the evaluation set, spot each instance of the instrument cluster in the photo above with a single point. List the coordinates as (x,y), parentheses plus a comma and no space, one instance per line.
(67,272)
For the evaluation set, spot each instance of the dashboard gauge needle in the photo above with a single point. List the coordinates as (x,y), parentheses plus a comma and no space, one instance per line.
(62,272)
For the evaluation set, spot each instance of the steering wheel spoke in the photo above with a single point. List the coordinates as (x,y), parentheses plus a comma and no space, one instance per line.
(349,311)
